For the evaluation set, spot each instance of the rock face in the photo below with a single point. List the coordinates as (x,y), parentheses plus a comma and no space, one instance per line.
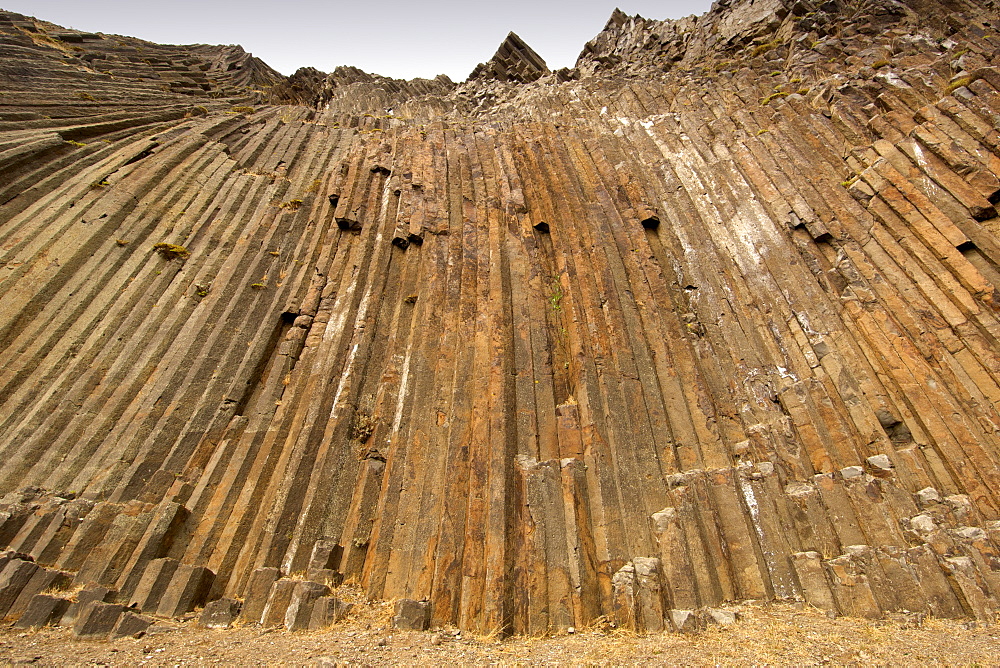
(710,316)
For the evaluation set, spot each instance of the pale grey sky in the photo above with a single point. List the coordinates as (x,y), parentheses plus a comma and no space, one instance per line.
(393,38)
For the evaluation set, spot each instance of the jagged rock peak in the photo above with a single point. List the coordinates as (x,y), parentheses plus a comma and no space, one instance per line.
(301,88)
(369,92)
(637,44)
(618,19)
(514,62)
(632,38)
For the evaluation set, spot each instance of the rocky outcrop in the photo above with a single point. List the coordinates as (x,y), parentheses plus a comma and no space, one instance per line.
(514,62)
(711,317)
(352,90)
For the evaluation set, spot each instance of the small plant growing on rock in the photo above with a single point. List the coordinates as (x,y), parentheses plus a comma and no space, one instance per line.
(959,83)
(291,205)
(761,49)
(557,294)
(171,251)
(364,426)
(771,98)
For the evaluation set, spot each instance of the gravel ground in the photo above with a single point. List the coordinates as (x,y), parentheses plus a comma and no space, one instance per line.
(773,635)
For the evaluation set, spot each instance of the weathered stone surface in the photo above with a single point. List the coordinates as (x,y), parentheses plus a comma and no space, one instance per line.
(9,555)
(719,616)
(812,579)
(880,465)
(300,607)
(649,593)
(96,620)
(188,589)
(83,599)
(328,610)
(258,592)
(153,584)
(219,614)
(131,625)
(851,472)
(278,599)
(684,621)
(850,586)
(624,603)
(326,555)
(410,615)
(327,576)
(43,579)
(15,576)
(42,610)
(723,294)
(928,496)
(514,62)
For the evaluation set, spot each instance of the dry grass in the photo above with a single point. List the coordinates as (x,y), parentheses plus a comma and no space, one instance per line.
(42,39)
(364,426)
(70,593)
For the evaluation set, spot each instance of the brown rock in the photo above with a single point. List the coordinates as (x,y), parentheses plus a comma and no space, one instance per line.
(15,576)
(96,620)
(328,610)
(411,615)
(42,610)
(153,584)
(83,599)
(187,590)
(710,316)
(258,593)
(277,603)
(300,606)
(219,614)
(131,625)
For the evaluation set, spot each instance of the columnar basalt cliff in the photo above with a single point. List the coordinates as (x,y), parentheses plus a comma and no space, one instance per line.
(710,316)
